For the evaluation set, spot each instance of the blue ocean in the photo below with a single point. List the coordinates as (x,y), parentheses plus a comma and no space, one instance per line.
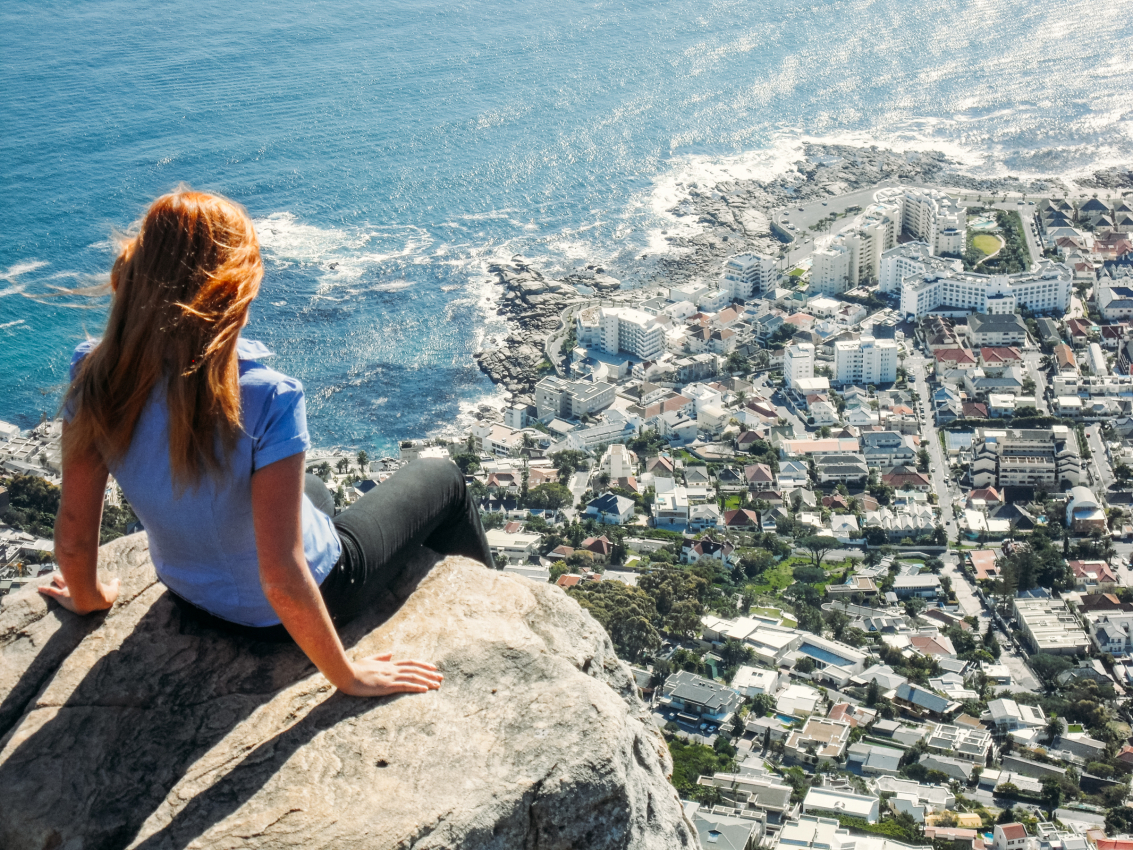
(390,151)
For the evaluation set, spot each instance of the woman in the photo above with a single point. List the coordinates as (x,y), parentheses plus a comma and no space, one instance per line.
(208,446)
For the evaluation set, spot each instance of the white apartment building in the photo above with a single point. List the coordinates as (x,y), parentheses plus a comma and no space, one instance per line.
(618,461)
(833,269)
(930,216)
(1045,290)
(855,254)
(909,259)
(624,329)
(747,275)
(571,399)
(865,361)
(1049,626)
(798,363)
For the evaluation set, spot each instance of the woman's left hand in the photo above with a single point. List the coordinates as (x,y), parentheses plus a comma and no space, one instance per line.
(59,591)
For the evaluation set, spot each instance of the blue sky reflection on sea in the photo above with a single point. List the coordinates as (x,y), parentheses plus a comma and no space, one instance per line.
(390,151)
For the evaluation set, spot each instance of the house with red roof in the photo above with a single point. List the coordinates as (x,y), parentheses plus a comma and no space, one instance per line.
(1092,575)
(983,561)
(973,410)
(907,478)
(988,495)
(1079,330)
(950,359)
(598,545)
(741,518)
(999,356)
(759,475)
(1114,335)
(1010,836)
(568,580)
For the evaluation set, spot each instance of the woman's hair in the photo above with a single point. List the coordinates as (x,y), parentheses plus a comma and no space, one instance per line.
(182,287)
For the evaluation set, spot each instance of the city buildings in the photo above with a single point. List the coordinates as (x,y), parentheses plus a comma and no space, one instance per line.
(1026,457)
(1049,626)
(555,397)
(747,275)
(1047,289)
(798,364)
(865,361)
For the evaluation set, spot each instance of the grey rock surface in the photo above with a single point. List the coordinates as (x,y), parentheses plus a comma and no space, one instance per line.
(144,728)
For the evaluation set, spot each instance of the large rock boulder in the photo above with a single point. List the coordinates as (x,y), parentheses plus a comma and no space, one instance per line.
(145,728)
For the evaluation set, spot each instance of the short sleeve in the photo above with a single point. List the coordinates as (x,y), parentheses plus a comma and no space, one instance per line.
(283,429)
(81,351)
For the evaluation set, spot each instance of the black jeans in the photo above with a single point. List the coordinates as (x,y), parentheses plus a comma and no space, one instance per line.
(423,504)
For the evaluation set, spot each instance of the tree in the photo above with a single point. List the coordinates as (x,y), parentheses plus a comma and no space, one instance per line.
(558,570)
(343,465)
(1053,728)
(837,621)
(549,496)
(1119,820)
(1047,667)
(922,459)
(1052,794)
(496,519)
(818,546)
(467,461)
(627,613)
(873,693)
(364,460)
(762,705)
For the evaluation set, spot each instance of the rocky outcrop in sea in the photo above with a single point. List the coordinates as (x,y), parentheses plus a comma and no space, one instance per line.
(534,306)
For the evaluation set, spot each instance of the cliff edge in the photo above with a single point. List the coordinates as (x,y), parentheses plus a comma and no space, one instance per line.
(142,728)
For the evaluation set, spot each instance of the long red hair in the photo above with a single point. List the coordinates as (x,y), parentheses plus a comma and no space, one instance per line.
(182,287)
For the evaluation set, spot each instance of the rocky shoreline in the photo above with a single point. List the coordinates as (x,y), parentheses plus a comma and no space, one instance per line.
(533,305)
(734,215)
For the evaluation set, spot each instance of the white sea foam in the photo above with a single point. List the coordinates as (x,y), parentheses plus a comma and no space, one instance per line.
(18,269)
(6,325)
(342,255)
(14,289)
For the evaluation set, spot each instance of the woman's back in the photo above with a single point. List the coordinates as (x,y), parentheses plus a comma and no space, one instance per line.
(202,538)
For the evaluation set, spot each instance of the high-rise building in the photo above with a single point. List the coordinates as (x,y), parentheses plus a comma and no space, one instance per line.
(855,254)
(747,275)
(624,329)
(865,361)
(798,363)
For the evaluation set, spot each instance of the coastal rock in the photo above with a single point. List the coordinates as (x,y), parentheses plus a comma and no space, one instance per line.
(145,728)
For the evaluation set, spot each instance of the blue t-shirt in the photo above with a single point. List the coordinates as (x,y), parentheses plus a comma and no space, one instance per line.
(202,540)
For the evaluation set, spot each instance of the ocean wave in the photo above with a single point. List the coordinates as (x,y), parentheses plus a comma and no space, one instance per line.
(6,325)
(14,271)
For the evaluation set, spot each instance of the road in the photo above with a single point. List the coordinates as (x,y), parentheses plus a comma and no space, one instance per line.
(938,464)
(1032,357)
(1099,464)
(947,495)
(579,482)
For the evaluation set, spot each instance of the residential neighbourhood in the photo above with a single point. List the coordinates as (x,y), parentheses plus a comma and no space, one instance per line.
(860,523)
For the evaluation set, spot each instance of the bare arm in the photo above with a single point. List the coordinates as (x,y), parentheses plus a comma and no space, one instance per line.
(277,494)
(76,537)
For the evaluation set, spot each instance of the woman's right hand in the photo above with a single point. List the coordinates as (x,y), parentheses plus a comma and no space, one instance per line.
(381,676)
